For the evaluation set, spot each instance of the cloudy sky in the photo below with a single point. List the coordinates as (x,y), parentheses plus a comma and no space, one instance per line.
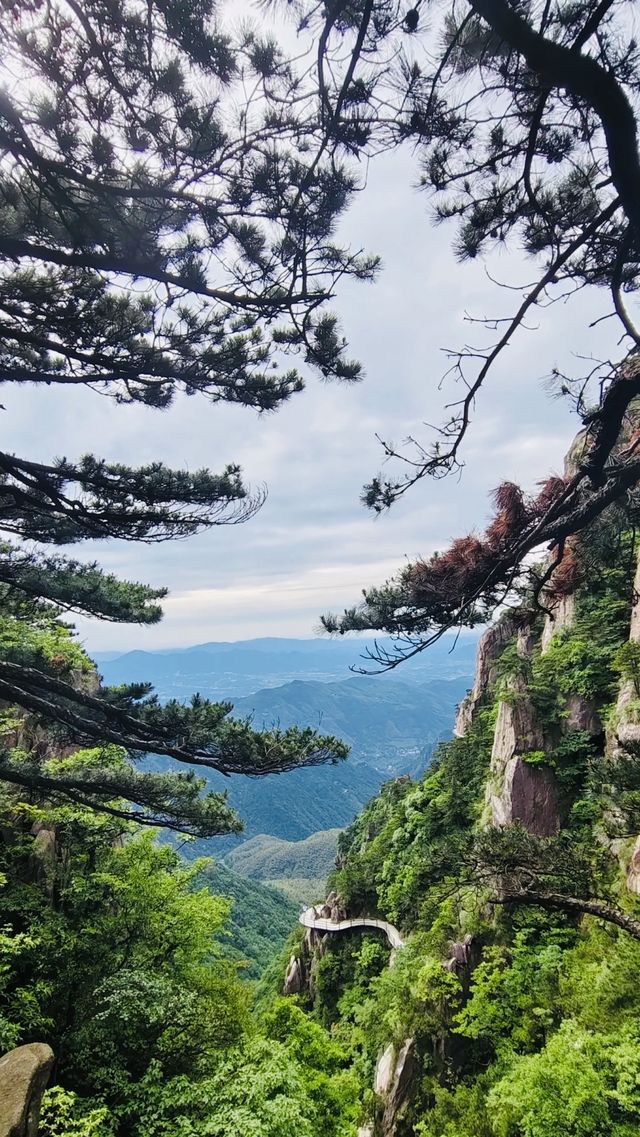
(313,547)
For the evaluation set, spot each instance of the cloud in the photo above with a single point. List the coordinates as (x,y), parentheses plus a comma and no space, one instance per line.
(313,547)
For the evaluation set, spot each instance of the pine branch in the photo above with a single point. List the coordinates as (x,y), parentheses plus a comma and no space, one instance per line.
(199,735)
(169,801)
(556,900)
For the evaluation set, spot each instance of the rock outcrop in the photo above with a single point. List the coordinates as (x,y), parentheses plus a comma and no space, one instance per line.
(560,615)
(518,791)
(44,855)
(293,977)
(626,720)
(24,1074)
(394,1073)
(333,908)
(528,794)
(464,956)
(490,648)
(582,714)
(633,874)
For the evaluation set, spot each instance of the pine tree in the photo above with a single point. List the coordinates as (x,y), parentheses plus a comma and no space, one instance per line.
(167,211)
(525,122)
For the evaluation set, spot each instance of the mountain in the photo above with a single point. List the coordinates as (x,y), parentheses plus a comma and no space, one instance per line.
(265,858)
(261,917)
(391,726)
(232,670)
(292,805)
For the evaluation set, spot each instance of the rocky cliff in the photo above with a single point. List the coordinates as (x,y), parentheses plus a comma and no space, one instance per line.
(508,866)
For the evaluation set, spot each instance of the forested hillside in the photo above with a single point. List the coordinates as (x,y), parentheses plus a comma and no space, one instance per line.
(263,857)
(260,918)
(174,179)
(293,806)
(299,868)
(512,868)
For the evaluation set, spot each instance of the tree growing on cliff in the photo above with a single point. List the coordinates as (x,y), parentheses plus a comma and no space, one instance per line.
(166,227)
(525,120)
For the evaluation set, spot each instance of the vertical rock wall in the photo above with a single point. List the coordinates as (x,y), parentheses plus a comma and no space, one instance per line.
(626,721)
(624,727)
(490,647)
(517,790)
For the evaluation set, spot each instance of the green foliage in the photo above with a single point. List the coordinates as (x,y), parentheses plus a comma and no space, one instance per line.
(416,997)
(515,992)
(114,951)
(64,1114)
(584,658)
(301,890)
(627,662)
(117,962)
(399,852)
(265,1088)
(578,1085)
(573,756)
(259,921)
(43,642)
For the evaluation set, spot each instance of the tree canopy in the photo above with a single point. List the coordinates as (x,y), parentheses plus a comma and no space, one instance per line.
(167,217)
(524,119)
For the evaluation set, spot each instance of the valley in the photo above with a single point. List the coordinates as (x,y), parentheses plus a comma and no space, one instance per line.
(392,726)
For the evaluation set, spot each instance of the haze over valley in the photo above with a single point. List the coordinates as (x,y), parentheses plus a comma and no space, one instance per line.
(392,722)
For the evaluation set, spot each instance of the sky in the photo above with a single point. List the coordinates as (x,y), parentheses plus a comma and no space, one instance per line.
(313,547)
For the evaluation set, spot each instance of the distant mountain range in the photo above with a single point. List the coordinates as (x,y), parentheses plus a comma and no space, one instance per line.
(265,858)
(392,727)
(392,722)
(231,670)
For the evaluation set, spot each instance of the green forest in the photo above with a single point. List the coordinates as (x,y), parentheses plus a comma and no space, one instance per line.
(533,1030)
(128,959)
(176,184)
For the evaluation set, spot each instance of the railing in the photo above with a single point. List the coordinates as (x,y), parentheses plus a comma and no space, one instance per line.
(310,919)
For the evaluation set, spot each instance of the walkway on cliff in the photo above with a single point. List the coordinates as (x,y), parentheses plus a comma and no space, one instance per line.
(310,919)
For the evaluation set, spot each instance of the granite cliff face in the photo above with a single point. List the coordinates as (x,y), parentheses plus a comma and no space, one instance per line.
(516,790)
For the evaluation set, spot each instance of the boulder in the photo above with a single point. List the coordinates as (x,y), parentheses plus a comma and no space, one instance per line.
(334,908)
(24,1074)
